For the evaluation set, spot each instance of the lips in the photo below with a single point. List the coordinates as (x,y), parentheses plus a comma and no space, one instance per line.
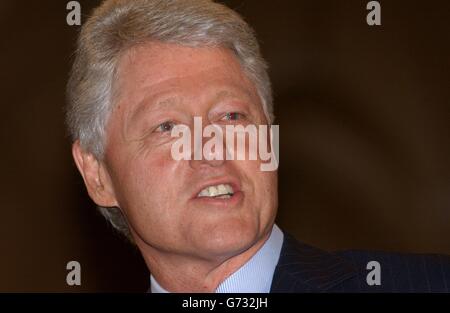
(218,203)
(221,203)
(214,188)
(223,191)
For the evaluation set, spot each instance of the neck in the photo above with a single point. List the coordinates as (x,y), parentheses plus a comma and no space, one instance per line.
(187,273)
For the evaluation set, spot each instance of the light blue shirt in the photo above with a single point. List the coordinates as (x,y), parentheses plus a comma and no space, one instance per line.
(255,276)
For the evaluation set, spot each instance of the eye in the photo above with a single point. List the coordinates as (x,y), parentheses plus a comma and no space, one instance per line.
(233,116)
(165,127)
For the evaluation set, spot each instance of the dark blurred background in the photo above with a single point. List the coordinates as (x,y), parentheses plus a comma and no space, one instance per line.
(364,117)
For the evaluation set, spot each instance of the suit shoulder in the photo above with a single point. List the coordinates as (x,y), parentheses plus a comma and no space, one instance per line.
(363,256)
(399,272)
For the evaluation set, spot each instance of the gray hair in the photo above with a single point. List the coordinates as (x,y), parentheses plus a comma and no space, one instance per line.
(117,25)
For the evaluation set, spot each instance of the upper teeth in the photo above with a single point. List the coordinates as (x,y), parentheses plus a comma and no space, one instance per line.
(217,190)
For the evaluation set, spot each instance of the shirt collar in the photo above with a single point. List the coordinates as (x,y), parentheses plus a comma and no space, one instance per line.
(255,276)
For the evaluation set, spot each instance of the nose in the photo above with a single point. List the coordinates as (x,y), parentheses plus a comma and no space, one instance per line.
(208,145)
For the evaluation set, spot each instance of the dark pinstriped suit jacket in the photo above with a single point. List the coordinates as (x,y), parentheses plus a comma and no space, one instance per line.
(303,268)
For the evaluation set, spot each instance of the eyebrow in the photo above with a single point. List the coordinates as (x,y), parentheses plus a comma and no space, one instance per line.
(234,92)
(149,104)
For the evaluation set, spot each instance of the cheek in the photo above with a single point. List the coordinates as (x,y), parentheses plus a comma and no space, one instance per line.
(266,189)
(268,182)
(262,184)
(145,178)
(150,195)
(155,173)
(267,197)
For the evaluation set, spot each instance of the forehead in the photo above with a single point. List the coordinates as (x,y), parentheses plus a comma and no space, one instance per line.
(156,68)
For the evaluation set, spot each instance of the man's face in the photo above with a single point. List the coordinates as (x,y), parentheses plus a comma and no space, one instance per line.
(160,85)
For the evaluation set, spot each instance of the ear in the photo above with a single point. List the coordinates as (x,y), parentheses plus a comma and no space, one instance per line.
(95,175)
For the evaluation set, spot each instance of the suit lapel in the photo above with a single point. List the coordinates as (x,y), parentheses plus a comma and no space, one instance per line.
(303,268)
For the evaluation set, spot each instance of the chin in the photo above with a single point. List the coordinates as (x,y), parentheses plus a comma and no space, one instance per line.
(228,239)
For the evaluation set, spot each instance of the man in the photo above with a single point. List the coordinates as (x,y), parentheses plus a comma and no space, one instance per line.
(143,68)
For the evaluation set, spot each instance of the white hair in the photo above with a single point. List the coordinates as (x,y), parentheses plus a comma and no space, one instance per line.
(117,25)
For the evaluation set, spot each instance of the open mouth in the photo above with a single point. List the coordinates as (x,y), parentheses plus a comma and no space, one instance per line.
(223,193)
(220,191)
